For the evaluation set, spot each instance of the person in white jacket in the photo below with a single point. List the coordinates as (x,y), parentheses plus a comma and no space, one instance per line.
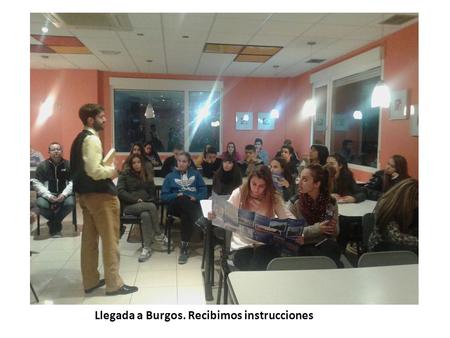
(54,189)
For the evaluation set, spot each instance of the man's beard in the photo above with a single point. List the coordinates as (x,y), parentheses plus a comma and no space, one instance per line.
(98,126)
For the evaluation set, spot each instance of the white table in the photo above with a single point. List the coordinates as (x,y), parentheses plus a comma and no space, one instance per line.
(356,209)
(375,285)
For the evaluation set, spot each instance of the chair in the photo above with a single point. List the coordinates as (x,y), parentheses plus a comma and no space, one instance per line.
(384,258)
(133,220)
(368,222)
(74,218)
(301,263)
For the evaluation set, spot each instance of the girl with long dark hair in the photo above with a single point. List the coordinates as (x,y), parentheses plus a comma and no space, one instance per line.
(136,192)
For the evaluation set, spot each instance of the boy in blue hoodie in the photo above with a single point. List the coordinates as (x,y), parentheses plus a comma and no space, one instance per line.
(183,188)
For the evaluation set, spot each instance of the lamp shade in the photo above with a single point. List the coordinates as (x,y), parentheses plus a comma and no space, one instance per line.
(149,112)
(381,96)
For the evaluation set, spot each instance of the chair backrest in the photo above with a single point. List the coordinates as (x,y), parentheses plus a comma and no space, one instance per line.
(367,224)
(383,258)
(301,263)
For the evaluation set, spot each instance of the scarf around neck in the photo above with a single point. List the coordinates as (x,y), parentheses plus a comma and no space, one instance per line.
(313,211)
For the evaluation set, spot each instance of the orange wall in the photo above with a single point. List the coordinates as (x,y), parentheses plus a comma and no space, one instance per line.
(71,89)
(75,87)
(401,71)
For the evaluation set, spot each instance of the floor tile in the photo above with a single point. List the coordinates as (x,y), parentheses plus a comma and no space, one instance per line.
(155,295)
(191,277)
(191,295)
(157,278)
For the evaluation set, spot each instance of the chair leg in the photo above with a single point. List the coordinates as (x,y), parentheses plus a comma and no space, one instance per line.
(38,231)
(168,231)
(74,216)
(129,232)
(219,290)
(34,293)
(142,234)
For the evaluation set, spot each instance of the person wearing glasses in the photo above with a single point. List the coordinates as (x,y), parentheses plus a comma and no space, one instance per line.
(54,189)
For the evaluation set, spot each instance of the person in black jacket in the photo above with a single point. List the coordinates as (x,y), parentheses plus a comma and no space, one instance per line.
(151,155)
(287,153)
(282,178)
(211,163)
(396,170)
(54,189)
(228,177)
(343,186)
(137,195)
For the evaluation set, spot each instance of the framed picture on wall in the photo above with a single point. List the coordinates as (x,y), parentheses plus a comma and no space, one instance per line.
(265,121)
(399,105)
(244,121)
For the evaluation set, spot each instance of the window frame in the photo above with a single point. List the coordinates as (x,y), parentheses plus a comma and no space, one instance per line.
(358,64)
(120,83)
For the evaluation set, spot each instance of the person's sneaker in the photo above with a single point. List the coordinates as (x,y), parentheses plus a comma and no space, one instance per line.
(123,290)
(161,238)
(145,254)
(184,253)
(57,235)
(100,283)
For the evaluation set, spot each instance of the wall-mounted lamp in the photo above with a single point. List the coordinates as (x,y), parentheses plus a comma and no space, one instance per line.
(357,115)
(309,108)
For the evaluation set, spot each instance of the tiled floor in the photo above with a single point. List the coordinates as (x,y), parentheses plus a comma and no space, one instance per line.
(56,277)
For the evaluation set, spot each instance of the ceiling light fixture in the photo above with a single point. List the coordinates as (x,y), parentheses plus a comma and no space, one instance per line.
(44,29)
(149,111)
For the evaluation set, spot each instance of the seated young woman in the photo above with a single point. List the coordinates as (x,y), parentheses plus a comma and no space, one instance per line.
(318,154)
(396,170)
(136,192)
(319,209)
(258,194)
(397,219)
(343,186)
(231,150)
(227,178)
(183,188)
(152,155)
(138,149)
(282,178)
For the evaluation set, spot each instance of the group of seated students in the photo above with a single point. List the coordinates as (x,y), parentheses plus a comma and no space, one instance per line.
(281,187)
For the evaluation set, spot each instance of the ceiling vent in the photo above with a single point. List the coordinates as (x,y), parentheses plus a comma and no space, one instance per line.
(315,60)
(398,19)
(96,21)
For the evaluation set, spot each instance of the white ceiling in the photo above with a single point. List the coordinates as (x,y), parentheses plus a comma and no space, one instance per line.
(335,34)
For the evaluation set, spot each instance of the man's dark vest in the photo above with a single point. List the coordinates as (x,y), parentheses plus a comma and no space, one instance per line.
(82,183)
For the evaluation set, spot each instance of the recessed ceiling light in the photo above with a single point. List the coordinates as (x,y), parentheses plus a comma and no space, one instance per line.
(44,29)
(185,36)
